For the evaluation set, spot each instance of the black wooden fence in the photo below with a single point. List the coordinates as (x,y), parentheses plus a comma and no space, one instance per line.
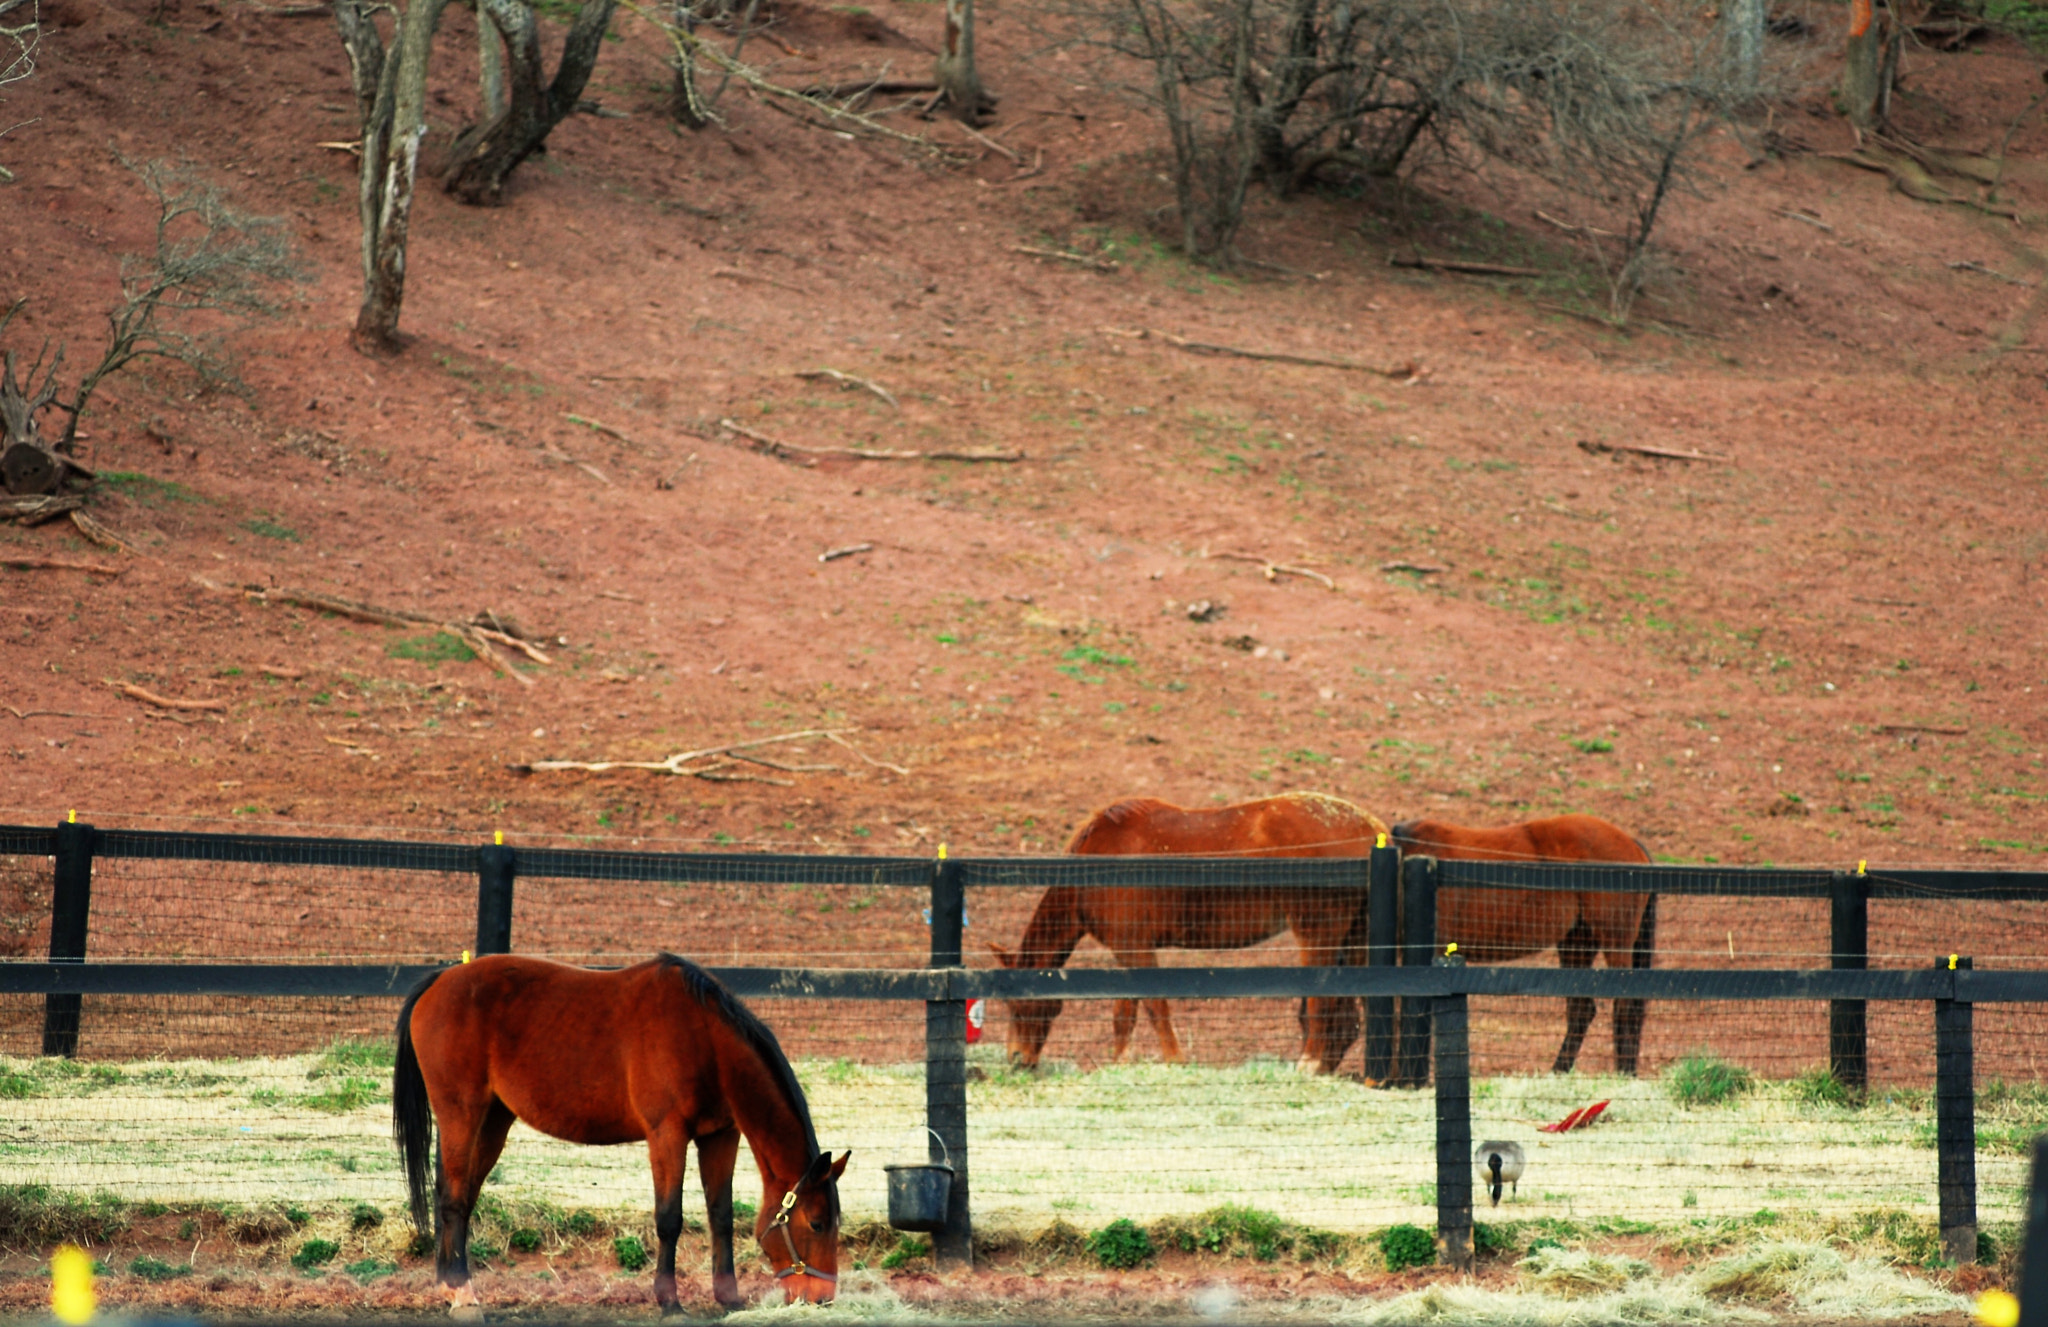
(1425,1031)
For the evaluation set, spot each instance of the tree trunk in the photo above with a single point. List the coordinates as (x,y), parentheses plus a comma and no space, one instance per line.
(27,463)
(955,72)
(684,104)
(1873,61)
(1745,21)
(486,155)
(393,125)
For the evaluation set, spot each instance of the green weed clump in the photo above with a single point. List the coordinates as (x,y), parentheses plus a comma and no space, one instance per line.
(524,1240)
(34,1214)
(156,1269)
(365,1216)
(440,647)
(1818,1086)
(370,1269)
(908,1248)
(630,1252)
(1234,1230)
(1701,1079)
(1406,1246)
(1121,1244)
(2010,1116)
(581,1223)
(315,1252)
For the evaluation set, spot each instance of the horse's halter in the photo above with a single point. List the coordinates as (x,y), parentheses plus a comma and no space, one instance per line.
(797,1266)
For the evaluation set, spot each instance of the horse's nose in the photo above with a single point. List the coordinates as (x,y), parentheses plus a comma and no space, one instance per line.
(809,1290)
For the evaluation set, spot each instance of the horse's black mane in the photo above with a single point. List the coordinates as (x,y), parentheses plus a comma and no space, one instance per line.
(711,994)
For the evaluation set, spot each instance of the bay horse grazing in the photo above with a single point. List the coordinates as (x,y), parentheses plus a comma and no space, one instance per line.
(1495,925)
(659,1051)
(1134,923)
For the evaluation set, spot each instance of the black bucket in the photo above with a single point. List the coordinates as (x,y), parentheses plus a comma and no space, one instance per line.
(918,1194)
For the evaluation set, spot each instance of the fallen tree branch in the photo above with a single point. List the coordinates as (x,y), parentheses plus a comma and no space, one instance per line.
(988,142)
(1972,265)
(669,480)
(99,532)
(878,764)
(682,762)
(1574,229)
(26,715)
(59,564)
(1801,216)
(777,447)
(1419,568)
(737,274)
(849,381)
(34,509)
(1660,453)
(1411,371)
(1274,570)
(598,426)
(1460,265)
(1939,729)
(883,88)
(834,554)
(1085,260)
(474,634)
(149,697)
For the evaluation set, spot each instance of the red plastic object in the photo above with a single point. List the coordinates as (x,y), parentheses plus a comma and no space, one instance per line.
(1578,1119)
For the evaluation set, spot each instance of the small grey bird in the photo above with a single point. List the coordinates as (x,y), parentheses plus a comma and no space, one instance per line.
(1502,1162)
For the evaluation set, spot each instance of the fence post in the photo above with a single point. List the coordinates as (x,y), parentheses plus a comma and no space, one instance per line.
(1418,948)
(945,1067)
(496,866)
(70,920)
(1453,1128)
(1849,950)
(1382,942)
(2033,1285)
(1955,1122)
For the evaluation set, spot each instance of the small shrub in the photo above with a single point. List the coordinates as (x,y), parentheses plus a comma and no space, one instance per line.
(365,1216)
(188,1228)
(1706,1080)
(1121,1243)
(482,1250)
(1818,1086)
(18,1087)
(370,1269)
(1406,1246)
(524,1240)
(314,1253)
(156,1269)
(581,1223)
(432,649)
(630,1252)
(420,1245)
(907,1248)
(298,1216)
(1494,1237)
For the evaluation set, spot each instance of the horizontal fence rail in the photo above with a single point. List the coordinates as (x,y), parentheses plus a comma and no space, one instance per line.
(359,980)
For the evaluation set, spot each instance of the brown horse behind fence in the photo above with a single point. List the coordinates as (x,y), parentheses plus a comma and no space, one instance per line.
(1134,923)
(659,1051)
(1495,925)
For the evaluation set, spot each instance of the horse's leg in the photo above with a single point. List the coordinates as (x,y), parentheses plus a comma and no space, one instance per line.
(467,1156)
(668,1153)
(716,1154)
(1575,950)
(1628,1014)
(1162,1024)
(1156,1010)
(1122,1021)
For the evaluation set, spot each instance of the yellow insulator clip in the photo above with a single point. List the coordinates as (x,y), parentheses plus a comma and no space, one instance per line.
(71,818)
(1952,962)
(942,852)
(71,1295)
(1996,1308)
(1450,949)
(1381,841)
(498,837)
(465,956)
(1862,867)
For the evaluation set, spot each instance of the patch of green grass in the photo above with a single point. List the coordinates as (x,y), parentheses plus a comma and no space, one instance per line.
(581,1223)
(437,648)
(344,1096)
(1818,1086)
(2010,1116)
(19,1087)
(524,1240)
(1701,1079)
(630,1252)
(1593,746)
(482,1250)
(1406,1246)
(156,1269)
(269,529)
(315,1252)
(1121,1244)
(147,489)
(908,1247)
(351,1056)
(370,1269)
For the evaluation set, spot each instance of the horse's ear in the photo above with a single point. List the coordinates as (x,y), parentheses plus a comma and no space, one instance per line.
(815,1172)
(839,1166)
(1003,956)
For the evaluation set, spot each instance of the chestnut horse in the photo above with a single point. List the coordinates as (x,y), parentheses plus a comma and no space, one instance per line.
(1495,925)
(1133,923)
(658,1051)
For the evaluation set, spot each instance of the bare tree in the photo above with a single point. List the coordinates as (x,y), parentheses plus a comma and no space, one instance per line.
(485,154)
(213,265)
(1872,63)
(956,73)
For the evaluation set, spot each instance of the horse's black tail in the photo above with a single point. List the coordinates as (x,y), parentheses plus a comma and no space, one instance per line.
(412,1115)
(1646,937)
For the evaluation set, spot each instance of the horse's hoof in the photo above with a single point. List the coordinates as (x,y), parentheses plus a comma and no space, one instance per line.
(466,1312)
